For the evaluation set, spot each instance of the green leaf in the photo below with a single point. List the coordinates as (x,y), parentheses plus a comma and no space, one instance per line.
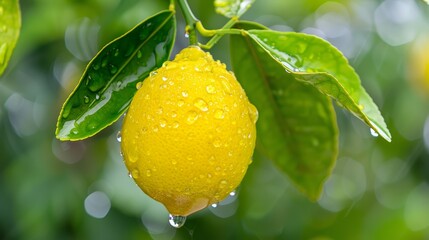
(232,8)
(314,61)
(297,125)
(10,25)
(109,82)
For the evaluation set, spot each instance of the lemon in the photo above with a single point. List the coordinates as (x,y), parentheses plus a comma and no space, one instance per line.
(419,65)
(189,134)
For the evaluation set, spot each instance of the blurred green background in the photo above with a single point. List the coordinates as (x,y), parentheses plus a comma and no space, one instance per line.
(81,190)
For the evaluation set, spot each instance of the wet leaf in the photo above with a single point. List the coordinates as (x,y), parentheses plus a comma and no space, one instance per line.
(313,61)
(232,8)
(10,25)
(109,82)
(297,125)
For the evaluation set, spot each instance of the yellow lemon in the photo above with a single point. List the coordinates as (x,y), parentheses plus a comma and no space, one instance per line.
(189,134)
(419,64)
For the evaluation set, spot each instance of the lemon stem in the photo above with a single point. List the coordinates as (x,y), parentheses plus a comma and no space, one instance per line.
(210,33)
(193,25)
(171,6)
(218,34)
(190,20)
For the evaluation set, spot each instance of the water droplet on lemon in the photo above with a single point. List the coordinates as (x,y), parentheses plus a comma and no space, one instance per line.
(219,114)
(176,220)
(253,113)
(223,183)
(227,86)
(217,143)
(119,136)
(135,173)
(139,85)
(180,103)
(191,117)
(210,89)
(201,104)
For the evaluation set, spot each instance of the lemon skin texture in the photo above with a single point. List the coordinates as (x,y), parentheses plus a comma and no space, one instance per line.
(189,134)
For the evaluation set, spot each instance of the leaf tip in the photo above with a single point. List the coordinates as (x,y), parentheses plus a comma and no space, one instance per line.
(311,193)
(383,132)
(60,135)
(64,130)
(387,138)
(315,197)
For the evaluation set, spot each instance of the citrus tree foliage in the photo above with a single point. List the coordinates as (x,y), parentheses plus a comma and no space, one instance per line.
(292,78)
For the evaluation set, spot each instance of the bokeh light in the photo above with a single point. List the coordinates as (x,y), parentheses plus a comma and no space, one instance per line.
(97,204)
